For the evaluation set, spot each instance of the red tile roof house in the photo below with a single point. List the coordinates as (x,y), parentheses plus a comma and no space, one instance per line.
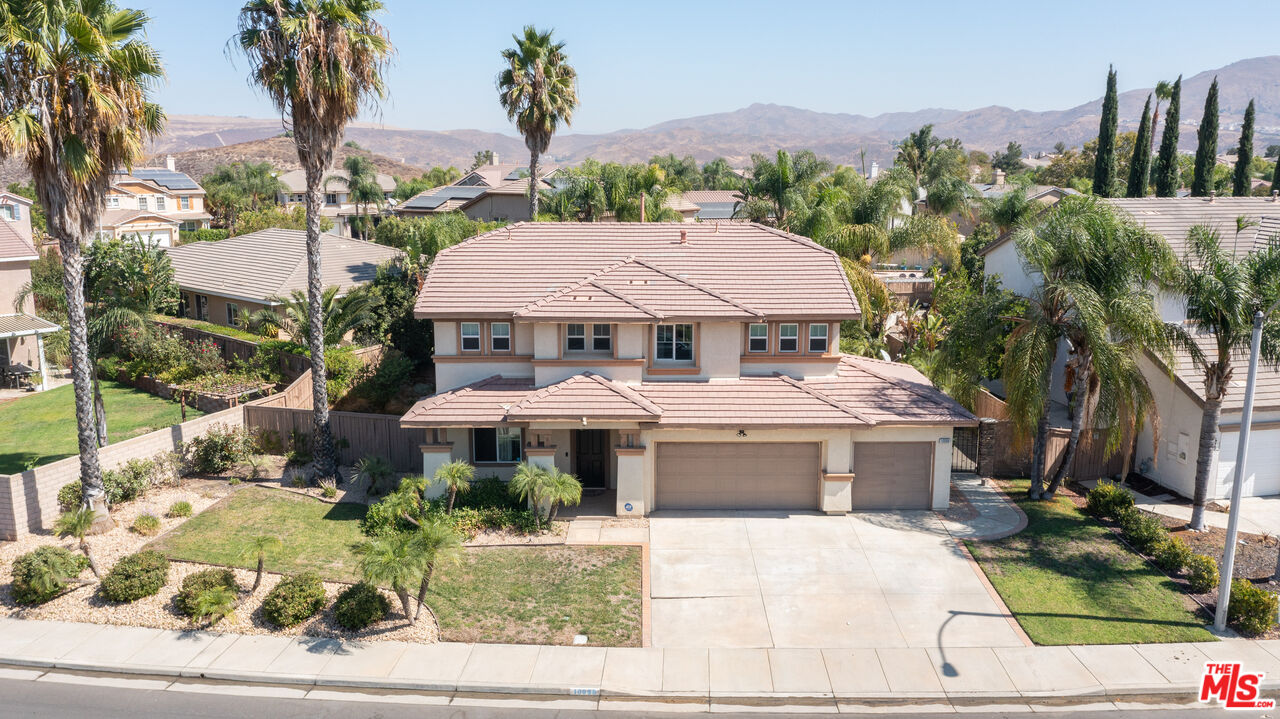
(683,366)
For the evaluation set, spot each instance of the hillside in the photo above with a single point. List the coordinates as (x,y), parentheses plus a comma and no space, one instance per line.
(279,151)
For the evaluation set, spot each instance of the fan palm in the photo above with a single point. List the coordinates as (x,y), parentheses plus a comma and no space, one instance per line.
(319,61)
(75,83)
(456,477)
(78,523)
(1223,293)
(539,91)
(241,186)
(341,315)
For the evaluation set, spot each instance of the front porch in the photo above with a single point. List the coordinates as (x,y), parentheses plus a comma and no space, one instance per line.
(23,366)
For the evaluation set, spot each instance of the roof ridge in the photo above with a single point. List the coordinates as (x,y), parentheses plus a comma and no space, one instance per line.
(626,393)
(552,296)
(633,302)
(696,286)
(814,245)
(824,397)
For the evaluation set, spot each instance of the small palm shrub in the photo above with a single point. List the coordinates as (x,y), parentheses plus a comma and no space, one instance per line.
(180,509)
(1142,530)
(1202,573)
(1252,609)
(44,573)
(328,488)
(194,585)
(1107,499)
(360,605)
(148,525)
(1172,554)
(377,470)
(214,604)
(297,597)
(136,576)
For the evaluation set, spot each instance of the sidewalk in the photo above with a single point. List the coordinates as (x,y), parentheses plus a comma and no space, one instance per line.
(997,516)
(827,680)
(1258,515)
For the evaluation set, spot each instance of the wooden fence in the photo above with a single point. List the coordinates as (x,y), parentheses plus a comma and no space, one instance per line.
(1013,451)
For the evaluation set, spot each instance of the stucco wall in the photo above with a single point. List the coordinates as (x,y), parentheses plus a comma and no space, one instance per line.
(1005,262)
(512,208)
(720,346)
(451,375)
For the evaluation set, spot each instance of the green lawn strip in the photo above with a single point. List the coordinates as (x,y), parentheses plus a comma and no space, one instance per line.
(224,330)
(1068,580)
(42,427)
(497,594)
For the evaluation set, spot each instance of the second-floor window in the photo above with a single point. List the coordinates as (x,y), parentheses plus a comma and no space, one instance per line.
(758,338)
(142,203)
(789,338)
(818,338)
(330,198)
(575,337)
(602,338)
(673,342)
(113,203)
(160,203)
(184,202)
(9,212)
(500,336)
(470,336)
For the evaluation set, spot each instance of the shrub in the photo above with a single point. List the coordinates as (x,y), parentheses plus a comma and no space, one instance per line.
(214,605)
(1252,609)
(1142,530)
(343,366)
(360,605)
(379,384)
(44,573)
(1202,573)
(121,485)
(383,518)
(1106,499)
(328,489)
(193,585)
(180,508)
(233,481)
(296,598)
(1172,554)
(488,492)
(220,448)
(146,524)
(136,576)
(69,497)
(204,234)
(299,448)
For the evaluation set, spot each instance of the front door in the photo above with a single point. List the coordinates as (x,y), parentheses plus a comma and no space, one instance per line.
(593,457)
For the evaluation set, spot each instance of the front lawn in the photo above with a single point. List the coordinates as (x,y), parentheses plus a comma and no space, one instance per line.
(41,428)
(531,594)
(1068,580)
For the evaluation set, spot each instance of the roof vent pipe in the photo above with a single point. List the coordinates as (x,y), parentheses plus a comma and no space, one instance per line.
(684,237)
(1213,195)
(1275,195)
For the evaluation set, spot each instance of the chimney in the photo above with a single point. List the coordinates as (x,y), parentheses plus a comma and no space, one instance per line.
(1213,195)
(493,158)
(170,163)
(875,170)
(684,237)
(998,177)
(1275,195)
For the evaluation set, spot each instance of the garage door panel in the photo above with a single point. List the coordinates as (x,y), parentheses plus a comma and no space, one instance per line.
(737,475)
(1262,467)
(892,475)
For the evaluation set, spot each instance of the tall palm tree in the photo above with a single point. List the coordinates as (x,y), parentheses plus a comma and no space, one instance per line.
(75,84)
(779,185)
(363,189)
(319,61)
(1009,210)
(1223,292)
(241,186)
(539,91)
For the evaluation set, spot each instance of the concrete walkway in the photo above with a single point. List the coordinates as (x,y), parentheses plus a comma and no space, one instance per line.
(830,680)
(1258,515)
(997,515)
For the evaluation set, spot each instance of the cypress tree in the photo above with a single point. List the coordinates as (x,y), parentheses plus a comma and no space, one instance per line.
(1104,168)
(1167,176)
(1140,165)
(1207,145)
(1244,155)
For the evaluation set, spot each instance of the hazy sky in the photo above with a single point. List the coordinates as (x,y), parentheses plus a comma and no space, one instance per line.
(642,63)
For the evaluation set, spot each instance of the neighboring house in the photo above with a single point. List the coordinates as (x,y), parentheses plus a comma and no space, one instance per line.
(335,202)
(508,201)
(225,280)
(153,203)
(1179,399)
(715,205)
(21,331)
(682,366)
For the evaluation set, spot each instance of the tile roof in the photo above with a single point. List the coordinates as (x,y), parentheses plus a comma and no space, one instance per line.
(1266,392)
(13,245)
(864,393)
(14,325)
(754,268)
(115,218)
(698,197)
(272,263)
(164,177)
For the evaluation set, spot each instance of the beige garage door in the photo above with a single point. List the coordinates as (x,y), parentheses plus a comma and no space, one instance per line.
(737,475)
(892,475)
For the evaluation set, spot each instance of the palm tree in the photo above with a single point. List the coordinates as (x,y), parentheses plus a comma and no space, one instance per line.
(1223,293)
(362,186)
(539,91)
(75,85)
(258,546)
(1009,210)
(532,483)
(435,543)
(341,315)
(241,186)
(565,490)
(319,61)
(779,185)
(1163,93)
(403,559)
(456,477)
(78,523)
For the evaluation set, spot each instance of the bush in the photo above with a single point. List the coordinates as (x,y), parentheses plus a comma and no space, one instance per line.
(220,448)
(488,492)
(121,485)
(1252,610)
(360,605)
(180,509)
(1202,573)
(379,384)
(70,497)
(1143,531)
(343,367)
(136,576)
(146,524)
(296,598)
(1172,554)
(1107,499)
(193,585)
(204,234)
(44,573)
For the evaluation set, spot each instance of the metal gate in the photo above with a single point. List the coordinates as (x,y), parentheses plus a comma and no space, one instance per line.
(964,449)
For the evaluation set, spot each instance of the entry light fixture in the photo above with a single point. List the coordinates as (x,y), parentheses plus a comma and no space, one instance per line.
(742,433)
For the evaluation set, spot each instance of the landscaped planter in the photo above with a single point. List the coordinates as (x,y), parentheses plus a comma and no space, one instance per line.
(205,401)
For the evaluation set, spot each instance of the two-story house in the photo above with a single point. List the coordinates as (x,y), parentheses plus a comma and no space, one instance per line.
(336,201)
(153,203)
(21,331)
(1179,390)
(680,366)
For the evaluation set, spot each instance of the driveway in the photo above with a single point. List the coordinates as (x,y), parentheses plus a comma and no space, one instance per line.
(892,579)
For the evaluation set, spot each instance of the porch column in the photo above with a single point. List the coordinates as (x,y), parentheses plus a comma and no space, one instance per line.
(44,368)
(435,456)
(630,481)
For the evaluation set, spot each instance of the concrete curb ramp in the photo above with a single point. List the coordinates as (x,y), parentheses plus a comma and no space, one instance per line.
(820,680)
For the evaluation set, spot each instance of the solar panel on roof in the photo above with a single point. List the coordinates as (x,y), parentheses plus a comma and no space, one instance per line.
(443,195)
(166,178)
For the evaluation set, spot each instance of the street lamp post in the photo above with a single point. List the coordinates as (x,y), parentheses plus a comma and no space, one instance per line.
(1237,485)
